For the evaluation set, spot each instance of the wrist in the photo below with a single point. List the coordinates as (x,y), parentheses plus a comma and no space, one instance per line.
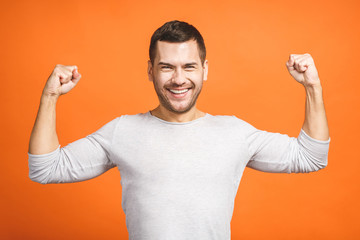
(49,98)
(314,89)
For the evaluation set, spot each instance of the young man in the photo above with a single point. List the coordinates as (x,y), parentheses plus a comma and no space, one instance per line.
(180,167)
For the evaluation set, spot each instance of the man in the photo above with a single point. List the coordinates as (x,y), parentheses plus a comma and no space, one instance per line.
(180,167)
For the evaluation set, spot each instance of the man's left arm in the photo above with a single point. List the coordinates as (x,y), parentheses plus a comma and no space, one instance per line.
(274,152)
(302,69)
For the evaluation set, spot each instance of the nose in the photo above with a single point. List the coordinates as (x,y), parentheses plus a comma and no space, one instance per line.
(179,77)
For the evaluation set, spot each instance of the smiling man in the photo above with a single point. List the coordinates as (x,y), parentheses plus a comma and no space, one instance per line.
(177,67)
(180,167)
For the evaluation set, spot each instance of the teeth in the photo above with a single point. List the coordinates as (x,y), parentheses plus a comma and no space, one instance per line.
(178,91)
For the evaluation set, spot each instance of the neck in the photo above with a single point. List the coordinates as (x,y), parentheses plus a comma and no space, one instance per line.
(170,116)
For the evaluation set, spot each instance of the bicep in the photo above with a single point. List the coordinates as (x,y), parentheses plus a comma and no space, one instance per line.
(279,153)
(80,160)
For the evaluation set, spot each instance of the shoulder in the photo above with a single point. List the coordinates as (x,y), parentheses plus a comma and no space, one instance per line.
(134,121)
(230,120)
(123,119)
(133,117)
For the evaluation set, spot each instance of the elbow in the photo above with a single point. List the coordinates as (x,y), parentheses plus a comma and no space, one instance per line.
(308,165)
(318,163)
(312,154)
(43,167)
(41,172)
(322,164)
(38,178)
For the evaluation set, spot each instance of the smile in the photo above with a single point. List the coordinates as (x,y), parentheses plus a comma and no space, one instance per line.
(179,91)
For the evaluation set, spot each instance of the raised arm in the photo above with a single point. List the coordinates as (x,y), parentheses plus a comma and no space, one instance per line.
(43,137)
(81,160)
(274,152)
(302,69)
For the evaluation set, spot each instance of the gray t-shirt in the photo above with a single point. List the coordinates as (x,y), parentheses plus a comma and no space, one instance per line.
(179,180)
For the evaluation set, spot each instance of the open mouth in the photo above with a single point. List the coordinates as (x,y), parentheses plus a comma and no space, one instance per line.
(179,91)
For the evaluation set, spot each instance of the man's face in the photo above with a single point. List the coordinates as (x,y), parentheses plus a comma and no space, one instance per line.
(177,74)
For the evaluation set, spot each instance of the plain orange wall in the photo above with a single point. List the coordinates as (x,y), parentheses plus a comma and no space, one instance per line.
(248,43)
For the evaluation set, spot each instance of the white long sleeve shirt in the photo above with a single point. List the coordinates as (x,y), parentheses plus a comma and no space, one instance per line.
(179,180)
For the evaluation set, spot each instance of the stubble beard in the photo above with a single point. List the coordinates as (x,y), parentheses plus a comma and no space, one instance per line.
(166,103)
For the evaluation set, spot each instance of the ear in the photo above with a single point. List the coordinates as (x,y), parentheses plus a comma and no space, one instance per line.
(150,71)
(206,69)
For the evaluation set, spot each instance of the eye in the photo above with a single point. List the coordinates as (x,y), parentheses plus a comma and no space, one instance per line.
(190,67)
(165,67)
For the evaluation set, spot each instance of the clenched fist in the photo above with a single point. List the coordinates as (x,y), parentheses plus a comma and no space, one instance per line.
(62,80)
(302,68)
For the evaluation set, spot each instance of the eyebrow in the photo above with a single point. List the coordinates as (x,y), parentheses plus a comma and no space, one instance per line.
(190,64)
(164,63)
(186,64)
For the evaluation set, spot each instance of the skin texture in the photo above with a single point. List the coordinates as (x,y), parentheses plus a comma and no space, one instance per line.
(177,67)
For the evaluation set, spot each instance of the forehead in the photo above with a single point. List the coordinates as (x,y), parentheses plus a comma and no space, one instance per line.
(177,52)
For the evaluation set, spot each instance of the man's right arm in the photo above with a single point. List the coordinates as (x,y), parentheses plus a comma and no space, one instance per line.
(80,160)
(43,137)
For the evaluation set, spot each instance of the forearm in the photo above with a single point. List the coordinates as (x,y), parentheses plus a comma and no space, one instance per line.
(315,123)
(43,137)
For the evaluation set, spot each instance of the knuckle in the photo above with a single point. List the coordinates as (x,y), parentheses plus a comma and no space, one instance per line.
(58,68)
(56,72)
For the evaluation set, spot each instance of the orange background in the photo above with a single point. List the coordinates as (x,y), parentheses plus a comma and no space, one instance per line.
(248,43)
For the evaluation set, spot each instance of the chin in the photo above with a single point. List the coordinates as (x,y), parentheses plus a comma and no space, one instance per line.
(181,109)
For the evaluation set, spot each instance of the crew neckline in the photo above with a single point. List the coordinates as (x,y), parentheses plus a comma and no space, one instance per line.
(178,123)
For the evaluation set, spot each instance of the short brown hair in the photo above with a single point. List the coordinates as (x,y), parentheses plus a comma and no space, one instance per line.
(177,31)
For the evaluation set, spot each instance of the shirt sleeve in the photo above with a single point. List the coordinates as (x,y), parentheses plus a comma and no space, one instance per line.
(78,161)
(279,153)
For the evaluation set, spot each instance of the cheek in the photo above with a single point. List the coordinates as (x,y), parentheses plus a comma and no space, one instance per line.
(162,78)
(189,75)
(196,77)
